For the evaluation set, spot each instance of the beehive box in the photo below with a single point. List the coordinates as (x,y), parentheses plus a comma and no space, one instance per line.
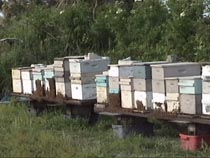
(126,84)
(143,98)
(37,74)
(161,71)
(114,83)
(114,71)
(206,87)
(83,91)
(63,87)
(206,98)
(102,94)
(114,90)
(172,96)
(190,85)
(127,99)
(27,86)
(17,86)
(83,80)
(142,84)
(159,86)
(206,108)
(158,97)
(173,106)
(206,72)
(89,66)
(190,103)
(26,74)
(172,85)
(143,69)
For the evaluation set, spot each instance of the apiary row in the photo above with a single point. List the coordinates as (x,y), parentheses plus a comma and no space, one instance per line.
(69,77)
(170,87)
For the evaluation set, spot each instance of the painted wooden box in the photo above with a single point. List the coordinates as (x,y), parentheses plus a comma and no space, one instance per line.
(127,99)
(142,84)
(114,83)
(143,98)
(158,86)
(190,103)
(172,85)
(188,85)
(206,87)
(17,86)
(63,87)
(173,106)
(83,91)
(161,71)
(27,86)
(206,72)
(206,108)
(102,94)
(89,66)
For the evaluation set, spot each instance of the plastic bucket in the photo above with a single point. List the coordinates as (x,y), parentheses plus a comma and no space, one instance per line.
(119,131)
(192,142)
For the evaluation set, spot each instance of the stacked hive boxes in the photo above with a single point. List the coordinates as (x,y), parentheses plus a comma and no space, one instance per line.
(172,94)
(83,73)
(102,88)
(62,74)
(162,71)
(190,94)
(206,90)
(114,87)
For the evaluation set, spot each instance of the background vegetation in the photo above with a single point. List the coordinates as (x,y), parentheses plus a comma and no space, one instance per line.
(145,30)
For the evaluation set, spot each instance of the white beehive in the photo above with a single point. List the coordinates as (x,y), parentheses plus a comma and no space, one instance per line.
(144,97)
(83,91)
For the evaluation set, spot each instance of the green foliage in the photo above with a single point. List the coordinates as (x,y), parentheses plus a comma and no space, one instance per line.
(148,30)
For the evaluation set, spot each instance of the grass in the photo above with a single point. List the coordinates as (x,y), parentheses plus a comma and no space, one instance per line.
(52,135)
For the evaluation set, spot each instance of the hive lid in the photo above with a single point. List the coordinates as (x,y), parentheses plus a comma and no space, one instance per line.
(175,64)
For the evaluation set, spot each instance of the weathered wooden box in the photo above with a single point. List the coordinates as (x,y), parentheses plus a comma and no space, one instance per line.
(127,99)
(83,80)
(143,98)
(206,87)
(142,84)
(158,97)
(158,86)
(63,87)
(173,106)
(206,108)
(114,90)
(172,96)
(102,94)
(206,98)
(161,71)
(27,86)
(17,85)
(114,83)
(83,91)
(206,72)
(172,85)
(26,74)
(89,66)
(190,103)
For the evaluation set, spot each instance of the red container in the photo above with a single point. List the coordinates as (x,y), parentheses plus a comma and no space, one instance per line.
(192,143)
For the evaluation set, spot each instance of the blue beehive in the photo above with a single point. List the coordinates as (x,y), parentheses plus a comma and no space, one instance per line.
(190,85)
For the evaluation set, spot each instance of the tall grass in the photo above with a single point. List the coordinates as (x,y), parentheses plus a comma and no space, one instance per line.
(53,135)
